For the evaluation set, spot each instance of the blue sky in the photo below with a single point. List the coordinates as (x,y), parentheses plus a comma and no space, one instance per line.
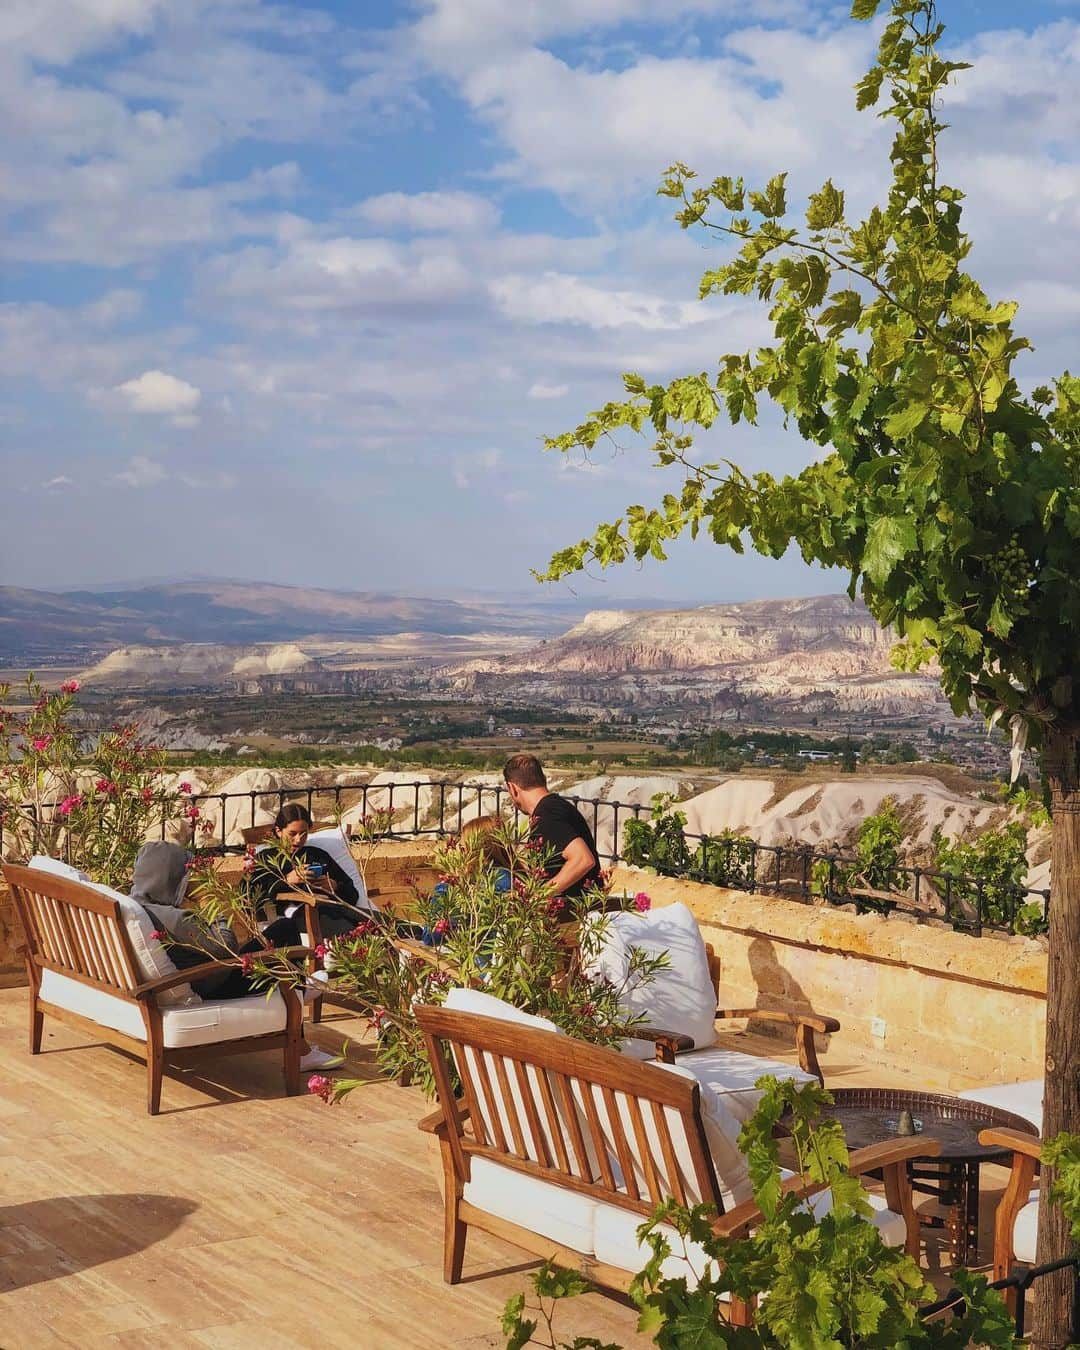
(293,291)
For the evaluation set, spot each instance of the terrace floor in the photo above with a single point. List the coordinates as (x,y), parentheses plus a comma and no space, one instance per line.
(241,1217)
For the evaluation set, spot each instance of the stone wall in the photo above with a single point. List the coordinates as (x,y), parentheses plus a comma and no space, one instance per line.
(955,1009)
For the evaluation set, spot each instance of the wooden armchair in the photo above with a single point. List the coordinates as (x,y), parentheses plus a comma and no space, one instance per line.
(1016,1221)
(565,1148)
(92,962)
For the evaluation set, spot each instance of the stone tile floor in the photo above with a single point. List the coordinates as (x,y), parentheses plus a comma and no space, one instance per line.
(240,1217)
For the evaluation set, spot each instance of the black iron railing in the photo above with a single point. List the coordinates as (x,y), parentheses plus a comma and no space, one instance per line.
(952,1305)
(427,808)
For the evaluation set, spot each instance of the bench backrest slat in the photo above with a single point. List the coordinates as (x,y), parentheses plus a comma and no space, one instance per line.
(576,1115)
(73,929)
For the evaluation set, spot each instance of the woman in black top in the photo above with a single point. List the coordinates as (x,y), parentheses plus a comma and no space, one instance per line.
(296,865)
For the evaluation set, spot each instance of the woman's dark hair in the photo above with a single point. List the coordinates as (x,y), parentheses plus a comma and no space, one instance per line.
(289,812)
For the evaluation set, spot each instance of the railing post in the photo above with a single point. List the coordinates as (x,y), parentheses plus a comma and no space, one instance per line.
(224,796)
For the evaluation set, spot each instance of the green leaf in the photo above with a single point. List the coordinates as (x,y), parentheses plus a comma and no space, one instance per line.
(953,422)
(868,90)
(773,201)
(864,9)
(888,539)
(826,207)
(903,422)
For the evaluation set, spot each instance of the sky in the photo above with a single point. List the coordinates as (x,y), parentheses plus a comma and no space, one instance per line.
(294,291)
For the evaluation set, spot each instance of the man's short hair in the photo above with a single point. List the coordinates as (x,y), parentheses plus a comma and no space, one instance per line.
(524,770)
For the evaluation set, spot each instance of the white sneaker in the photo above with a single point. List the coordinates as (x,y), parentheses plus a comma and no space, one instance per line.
(319,1059)
(315,985)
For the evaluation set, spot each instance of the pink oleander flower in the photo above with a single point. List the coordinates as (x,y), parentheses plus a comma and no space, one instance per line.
(321,950)
(40,743)
(206,827)
(441,927)
(642,903)
(107,786)
(247,962)
(379,1018)
(159,935)
(249,864)
(588,1010)
(70,687)
(555,907)
(362,929)
(147,794)
(69,804)
(192,813)
(320,1086)
(184,789)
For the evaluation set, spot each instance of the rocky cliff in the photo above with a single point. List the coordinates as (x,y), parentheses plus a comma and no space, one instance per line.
(198,663)
(819,653)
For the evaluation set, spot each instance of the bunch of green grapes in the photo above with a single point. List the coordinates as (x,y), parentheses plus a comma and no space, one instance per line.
(1010,566)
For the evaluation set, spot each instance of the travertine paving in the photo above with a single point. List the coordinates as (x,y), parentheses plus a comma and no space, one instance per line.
(239,1217)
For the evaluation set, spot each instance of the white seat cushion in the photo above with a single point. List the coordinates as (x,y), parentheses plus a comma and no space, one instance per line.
(615,1242)
(730,1075)
(332,841)
(1022,1099)
(615,1238)
(487,1005)
(206,1022)
(889,1224)
(1026,1229)
(680,997)
(562,1215)
(227,1019)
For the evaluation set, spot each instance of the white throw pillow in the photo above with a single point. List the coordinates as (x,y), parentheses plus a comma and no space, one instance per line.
(680,997)
(332,841)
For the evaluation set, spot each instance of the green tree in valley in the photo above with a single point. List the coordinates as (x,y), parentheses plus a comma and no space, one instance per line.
(947,493)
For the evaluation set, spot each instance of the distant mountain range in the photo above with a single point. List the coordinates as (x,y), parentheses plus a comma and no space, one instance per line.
(77,626)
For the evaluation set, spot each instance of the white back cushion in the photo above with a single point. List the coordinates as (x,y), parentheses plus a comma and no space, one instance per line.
(680,997)
(332,841)
(151,958)
(487,1005)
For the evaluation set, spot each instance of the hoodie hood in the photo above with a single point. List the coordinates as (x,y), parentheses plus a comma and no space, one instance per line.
(160,874)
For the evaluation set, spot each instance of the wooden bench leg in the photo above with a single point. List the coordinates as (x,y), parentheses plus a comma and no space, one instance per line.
(37,1023)
(155,1063)
(454,1230)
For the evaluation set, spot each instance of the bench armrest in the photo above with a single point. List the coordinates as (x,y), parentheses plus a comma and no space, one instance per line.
(150,988)
(889,1157)
(805,1024)
(668,1043)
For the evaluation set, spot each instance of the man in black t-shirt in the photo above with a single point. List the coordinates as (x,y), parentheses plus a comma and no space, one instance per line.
(555,823)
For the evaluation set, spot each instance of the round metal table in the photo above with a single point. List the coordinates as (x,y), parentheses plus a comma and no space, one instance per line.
(870,1115)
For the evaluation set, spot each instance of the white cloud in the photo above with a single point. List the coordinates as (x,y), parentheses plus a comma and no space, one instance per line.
(542,390)
(558,298)
(58,484)
(155,391)
(141,472)
(430,212)
(472,463)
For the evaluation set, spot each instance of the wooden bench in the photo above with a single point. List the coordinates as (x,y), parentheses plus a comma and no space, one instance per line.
(564,1148)
(82,969)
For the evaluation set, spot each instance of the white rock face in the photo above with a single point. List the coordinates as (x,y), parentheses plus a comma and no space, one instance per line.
(197,663)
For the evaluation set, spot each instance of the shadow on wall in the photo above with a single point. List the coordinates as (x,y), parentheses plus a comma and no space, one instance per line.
(47,1239)
(776,987)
